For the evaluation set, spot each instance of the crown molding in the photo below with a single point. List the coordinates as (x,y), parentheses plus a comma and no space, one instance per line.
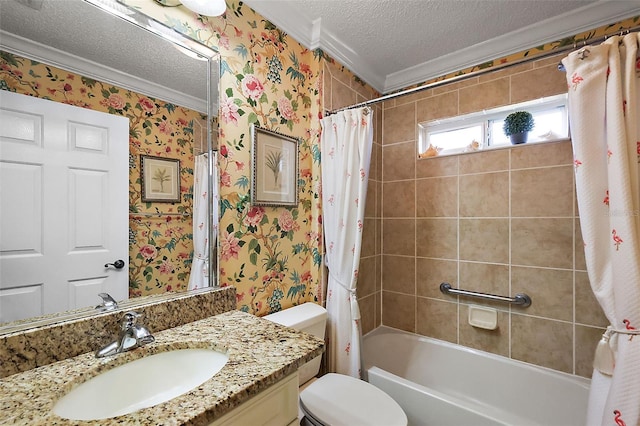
(52,56)
(580,20)
(312,35)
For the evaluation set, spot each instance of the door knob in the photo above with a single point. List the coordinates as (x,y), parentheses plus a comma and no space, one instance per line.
(118,264)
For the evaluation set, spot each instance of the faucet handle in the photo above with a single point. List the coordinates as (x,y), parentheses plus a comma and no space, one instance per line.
(129,320)
(108,303)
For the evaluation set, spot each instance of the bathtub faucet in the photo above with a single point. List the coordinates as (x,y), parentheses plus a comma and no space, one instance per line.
(131,336)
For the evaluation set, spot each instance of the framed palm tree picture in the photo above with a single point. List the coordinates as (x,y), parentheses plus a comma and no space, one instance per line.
(160,179)
(274,172)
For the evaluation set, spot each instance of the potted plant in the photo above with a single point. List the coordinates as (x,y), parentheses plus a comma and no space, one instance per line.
(517,126)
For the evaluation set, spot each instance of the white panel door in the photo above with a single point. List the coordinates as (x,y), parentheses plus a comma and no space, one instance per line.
(63,206)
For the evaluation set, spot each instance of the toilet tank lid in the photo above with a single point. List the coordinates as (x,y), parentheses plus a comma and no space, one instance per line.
(299,316)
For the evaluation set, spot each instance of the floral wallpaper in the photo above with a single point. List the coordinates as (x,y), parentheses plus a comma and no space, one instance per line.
(160,234)
(272,255)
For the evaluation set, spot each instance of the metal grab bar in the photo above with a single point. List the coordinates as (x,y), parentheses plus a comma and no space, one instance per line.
(520,299)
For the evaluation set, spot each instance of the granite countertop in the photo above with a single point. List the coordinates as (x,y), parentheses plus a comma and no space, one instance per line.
(260,354)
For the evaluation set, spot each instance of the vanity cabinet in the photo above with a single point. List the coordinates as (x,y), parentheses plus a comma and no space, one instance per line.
(276,406)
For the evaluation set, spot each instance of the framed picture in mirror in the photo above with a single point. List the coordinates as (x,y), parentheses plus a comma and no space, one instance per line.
(160,179)
(274,172)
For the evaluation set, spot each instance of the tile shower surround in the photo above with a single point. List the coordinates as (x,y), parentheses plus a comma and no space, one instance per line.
(502,221)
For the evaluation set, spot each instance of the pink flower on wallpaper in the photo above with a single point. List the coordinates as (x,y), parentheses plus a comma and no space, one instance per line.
(148,251)
(225,179)
(116,101)
(146,105)
(254,216)
(229,246)
(285,108)
(165,127)
(286,222)
(229,110)
(239,165)
(306,276)
(252,87)
(305,173)
(166,267)
(223,40)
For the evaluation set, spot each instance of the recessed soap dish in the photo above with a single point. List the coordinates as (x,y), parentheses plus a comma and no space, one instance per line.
(482,317)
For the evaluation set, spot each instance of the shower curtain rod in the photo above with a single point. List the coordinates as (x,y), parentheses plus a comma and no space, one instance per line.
(575,45)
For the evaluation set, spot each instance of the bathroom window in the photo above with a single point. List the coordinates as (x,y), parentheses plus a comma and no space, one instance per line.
(482,130)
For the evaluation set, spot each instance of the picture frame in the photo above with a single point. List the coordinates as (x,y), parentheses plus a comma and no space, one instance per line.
(160,179)
(274,172)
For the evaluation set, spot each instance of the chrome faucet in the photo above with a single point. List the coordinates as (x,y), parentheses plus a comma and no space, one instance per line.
(131,336)
(108,303)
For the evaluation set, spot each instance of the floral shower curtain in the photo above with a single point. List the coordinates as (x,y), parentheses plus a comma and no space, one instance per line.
(347,138)
(604,116)
(199,277)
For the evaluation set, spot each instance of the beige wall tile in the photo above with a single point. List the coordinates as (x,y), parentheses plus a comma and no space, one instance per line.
(546,192)
(542,342)
(399,274)
(542,242)
(484,240)
(430,273)
(438,319)
(372,193)
(437,197)
(367,276)
(436,107)
(541,154)
(378,308)
(399,199)
(378,164)
(398,236)
(437,238)
(399,124)
(368,238)
(373,171)
(413,97)
(514,69)
(588,310)
(484,195)
(494,341)
(342,95)
(466,82)
(379,273)
(484,96)
(587,339)
(367,313)
(551,60)
(399,311)
(482,162)
(484,278)
(548,82)
(551,291)
(399,161)
(435,167)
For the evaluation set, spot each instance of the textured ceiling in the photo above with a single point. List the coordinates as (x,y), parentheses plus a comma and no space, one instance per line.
(392,44)
(87,32)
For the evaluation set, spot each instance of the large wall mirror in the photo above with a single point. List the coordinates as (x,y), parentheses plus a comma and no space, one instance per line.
(109,206)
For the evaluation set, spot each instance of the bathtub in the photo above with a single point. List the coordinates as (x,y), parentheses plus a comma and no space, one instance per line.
(440,383)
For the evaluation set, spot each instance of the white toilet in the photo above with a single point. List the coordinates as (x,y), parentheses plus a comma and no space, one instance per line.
(336,399)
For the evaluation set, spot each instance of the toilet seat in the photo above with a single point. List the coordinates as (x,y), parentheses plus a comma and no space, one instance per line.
(336,399)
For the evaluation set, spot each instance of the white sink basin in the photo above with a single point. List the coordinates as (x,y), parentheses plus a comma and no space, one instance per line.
(140,384)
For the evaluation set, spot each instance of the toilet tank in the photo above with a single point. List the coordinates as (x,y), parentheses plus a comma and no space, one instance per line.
(310,318)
